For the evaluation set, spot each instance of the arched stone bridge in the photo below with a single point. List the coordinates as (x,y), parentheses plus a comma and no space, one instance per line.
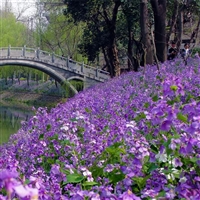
(62,69)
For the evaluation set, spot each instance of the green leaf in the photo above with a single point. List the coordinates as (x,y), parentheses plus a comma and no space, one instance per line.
(48,127)
(26,182)
(96,171)
(173,87)
(74,178)
(141,181)
(73,119)
(146,105)
(54,137)
(155,98)
(50,160)
(89,183)
(152,167)
(161,194)
(154,148)
(115,176)
(41,136)
(194,160)
(182,117)
(65,142)
(88,110)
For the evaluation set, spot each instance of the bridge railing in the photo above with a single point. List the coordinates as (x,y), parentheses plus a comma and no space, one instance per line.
(51,58)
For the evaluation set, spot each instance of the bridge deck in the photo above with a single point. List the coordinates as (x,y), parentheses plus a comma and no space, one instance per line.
(53,59)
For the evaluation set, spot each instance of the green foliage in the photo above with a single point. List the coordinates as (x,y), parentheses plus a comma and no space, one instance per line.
(182,117)
(74,178)
(12,32)
(173,87)
(62,36)
(195,50)
(77,84)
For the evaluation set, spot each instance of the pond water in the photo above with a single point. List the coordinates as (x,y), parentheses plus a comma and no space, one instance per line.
(12,114)
(11,117)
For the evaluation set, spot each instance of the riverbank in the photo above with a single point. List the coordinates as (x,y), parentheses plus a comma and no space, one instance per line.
(30,98)
(44,94)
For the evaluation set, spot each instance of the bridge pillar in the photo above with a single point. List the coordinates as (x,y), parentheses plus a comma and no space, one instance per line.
(67,61)
(52,57)
(24,51)
(38,53)
(97,72)
(9,51)
(82,66)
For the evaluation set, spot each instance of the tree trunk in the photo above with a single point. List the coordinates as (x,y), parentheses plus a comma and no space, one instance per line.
(107,65)
(112,47)
(130,49)
(114,60)
(159,11)
(13,78)
(145,34)
(173,21)
(27,78)
(195,32)
(19,75)
(180,28)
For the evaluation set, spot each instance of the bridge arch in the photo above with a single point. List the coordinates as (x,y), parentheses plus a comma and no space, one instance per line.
(76,78)
(41,67)
(58,67)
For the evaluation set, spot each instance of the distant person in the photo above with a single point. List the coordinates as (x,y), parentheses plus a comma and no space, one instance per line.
(172,52)
(186,52)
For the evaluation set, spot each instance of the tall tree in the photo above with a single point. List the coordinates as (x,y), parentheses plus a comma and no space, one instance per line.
(159,11)
(129,32)
(145,32)
(172,17)
(56,32)
(12,31)
(99,12)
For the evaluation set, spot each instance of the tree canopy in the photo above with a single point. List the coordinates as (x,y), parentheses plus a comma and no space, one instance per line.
(12,31)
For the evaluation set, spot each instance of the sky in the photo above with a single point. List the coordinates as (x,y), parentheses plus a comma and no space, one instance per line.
(25,8)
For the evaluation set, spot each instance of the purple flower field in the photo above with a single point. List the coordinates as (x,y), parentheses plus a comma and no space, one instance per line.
(135,137)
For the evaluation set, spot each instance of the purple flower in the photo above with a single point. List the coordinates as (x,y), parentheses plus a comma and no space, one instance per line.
(149,193)
(8,174)
(166,125)
(8,179)
(137,124)
(24,191)
(128,195)
(192,194)
(127,182)
(176,162)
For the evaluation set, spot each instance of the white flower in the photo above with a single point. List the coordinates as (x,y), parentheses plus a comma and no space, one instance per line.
(64,128)
(93,142)
(132,124)
(87,173)
(162,157)
(183,180)
(43,143)
(79,115)
(90,179)
(35,117)
(83,168)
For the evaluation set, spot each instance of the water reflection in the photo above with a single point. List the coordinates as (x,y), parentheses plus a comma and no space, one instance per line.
(11,118)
